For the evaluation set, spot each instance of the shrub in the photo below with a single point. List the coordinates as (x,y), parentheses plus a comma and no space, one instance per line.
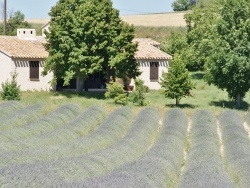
(11,91)
(138,96)
(121,99)
(115,91)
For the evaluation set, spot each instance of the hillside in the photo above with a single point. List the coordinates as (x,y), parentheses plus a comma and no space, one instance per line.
(174,19)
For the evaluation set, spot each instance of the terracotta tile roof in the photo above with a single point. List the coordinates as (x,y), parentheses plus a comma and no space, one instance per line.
(23,48)
(149,49)
(148,41)
(33,48)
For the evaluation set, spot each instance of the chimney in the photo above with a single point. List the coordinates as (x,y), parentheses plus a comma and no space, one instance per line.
(26,33)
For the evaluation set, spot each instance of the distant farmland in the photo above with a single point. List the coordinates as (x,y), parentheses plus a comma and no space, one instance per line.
(174,19)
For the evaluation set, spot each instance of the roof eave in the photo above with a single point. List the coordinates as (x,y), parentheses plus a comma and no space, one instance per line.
(150,58)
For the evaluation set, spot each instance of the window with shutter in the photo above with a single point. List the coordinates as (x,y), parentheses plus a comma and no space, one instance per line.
(154,71)
(34,70)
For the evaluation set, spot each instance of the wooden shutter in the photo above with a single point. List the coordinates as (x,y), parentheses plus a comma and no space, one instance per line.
(34,70)
(154,71)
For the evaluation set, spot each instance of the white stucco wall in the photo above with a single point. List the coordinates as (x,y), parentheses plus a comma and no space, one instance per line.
(145,75)
(23,71)
(45,28)
(6,67)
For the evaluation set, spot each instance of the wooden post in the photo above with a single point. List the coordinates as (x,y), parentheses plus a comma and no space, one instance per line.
(5,17)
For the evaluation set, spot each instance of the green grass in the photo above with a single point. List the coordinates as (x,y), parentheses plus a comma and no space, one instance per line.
(204,97)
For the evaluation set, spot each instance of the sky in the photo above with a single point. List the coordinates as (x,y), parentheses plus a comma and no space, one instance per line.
(40,8)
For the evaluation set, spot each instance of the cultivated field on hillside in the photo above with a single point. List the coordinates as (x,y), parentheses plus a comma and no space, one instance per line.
(71,146)
(175,19)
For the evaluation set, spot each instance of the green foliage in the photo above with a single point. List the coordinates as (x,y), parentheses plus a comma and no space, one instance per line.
(177,82)
(88,36)
(228,65)
(115,91)
(176,43)
(199,24)
(37,27)
(121,99)
(11,91)
(181,5)
(138,96)
(16,20)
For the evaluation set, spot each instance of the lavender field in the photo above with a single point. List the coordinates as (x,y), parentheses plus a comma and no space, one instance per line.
(75,147)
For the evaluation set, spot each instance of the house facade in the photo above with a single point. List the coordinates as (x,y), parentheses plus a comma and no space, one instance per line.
(152,62)
(24,54)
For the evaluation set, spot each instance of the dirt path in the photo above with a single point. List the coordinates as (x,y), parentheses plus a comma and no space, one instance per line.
(247,128)
(185,151)
(220,139)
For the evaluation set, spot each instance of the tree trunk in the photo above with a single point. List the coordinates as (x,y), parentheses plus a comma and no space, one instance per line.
(177,101)
(238,101)
(107,74)
(79,83)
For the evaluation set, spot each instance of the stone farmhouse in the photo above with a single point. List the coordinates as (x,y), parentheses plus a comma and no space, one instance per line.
(25,54)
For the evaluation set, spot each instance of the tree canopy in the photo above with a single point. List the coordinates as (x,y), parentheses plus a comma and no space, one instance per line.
(88,36)
(15,21)
(228,65)
(199,28)
(181,5)
(218,40)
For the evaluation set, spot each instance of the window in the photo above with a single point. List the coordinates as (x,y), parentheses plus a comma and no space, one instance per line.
(154,73)
(34,70)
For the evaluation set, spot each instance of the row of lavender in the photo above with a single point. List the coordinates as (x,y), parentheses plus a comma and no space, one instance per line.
(46,139)
(210,162)
(71,148)
(115,132)
(237,147)
(204,166)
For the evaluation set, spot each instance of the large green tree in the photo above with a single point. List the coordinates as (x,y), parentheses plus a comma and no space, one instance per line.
(88,36)
(176,83)
(228,65)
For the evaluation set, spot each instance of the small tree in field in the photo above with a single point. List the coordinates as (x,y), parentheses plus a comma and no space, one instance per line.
(138,96)
(11,91)
(177,82)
